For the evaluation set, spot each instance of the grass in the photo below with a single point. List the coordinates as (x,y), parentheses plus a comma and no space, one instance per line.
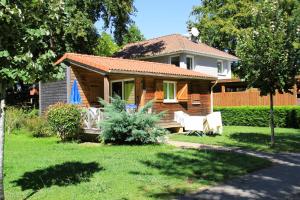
(44,168)
(254,138)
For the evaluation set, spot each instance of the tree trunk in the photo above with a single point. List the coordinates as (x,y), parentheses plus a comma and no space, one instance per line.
(272,120)
(2,127)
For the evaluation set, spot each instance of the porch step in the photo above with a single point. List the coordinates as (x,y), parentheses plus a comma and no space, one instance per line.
(93,131)
(169,124)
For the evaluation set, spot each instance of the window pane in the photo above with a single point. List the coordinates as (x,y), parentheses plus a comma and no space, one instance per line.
(220,67)
(175,61)
(189,63)
(117,89)
(165,90)
(171,91)
(129,92)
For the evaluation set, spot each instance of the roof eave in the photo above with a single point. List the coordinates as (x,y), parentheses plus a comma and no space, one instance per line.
(162,75)
(188,51)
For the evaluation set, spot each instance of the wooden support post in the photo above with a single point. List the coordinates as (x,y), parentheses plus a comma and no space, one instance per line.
(223,88)
(106,89)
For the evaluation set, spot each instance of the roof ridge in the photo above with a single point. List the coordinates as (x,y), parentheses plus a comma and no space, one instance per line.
(155,38)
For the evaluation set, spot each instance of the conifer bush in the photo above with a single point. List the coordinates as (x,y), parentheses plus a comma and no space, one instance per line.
(121,126)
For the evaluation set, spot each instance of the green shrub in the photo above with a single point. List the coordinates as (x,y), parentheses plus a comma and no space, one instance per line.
(14,119)
(39,127)
(65,119)
(121,126)
(285,116)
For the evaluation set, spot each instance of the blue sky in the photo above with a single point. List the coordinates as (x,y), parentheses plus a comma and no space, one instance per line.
(162,17)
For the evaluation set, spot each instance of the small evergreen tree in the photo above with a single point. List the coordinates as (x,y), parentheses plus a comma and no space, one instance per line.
(121,126)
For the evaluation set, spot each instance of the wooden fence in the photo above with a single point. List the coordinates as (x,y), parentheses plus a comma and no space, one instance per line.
(252,98)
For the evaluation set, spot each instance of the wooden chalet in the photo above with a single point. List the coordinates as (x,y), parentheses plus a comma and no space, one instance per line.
(137,82)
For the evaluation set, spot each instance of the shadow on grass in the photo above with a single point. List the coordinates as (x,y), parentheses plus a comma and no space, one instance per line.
(282,142)
(202,167)
(68,173)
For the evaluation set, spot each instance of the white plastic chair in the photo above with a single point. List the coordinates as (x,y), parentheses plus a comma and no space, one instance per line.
(214,123)
(194,124)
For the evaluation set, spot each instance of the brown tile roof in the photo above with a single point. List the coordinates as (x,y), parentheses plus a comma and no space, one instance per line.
(168,44)
(120,65)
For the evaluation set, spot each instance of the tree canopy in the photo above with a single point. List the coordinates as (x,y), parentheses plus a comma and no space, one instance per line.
(106,45)
(270,50)
(35,33)
(220,22)
(133,35)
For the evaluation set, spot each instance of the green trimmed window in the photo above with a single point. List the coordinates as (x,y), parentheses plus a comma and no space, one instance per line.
(169,91)
(125,89)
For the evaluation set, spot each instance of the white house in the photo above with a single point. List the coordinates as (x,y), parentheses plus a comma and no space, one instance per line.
(181,51)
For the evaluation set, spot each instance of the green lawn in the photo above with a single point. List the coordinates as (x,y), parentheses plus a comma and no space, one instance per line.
(254,138)
(43,168)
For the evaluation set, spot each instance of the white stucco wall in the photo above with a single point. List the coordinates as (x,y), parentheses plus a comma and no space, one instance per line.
(202,64)
(209,65)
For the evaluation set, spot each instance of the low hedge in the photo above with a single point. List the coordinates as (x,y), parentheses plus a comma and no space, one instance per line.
(285,116)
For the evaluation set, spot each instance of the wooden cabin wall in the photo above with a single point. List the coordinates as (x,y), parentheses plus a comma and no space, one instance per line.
(90,85)
(197,103)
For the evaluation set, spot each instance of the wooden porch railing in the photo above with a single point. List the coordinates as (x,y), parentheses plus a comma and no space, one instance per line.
(91,117)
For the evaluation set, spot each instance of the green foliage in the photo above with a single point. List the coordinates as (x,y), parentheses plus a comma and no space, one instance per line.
(285,116)
(121,126)
(35,33)
(19,118)
(39,127)
(65,119)
(15,119)
(106,45)
(269,59)
(221,22)
(133,35)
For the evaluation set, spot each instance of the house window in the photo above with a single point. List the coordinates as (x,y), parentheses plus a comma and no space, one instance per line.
(169,91)
(175,60)
(125,89)
(220,67)
(190,62)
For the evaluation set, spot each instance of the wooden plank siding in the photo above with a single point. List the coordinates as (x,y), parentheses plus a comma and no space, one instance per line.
(251,97)
(90,85)
(193,96)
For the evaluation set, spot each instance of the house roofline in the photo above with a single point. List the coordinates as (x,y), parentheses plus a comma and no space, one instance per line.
(103,73)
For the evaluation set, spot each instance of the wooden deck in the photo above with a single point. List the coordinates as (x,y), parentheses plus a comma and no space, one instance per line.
(163,124)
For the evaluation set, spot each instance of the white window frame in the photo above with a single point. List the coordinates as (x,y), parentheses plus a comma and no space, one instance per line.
(122,81)
(175,92)
(170,59)
(193,66)
(222,64)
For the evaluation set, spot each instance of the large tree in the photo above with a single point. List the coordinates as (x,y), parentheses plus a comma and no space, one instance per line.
(270,50)
(35,32)
(220,22)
